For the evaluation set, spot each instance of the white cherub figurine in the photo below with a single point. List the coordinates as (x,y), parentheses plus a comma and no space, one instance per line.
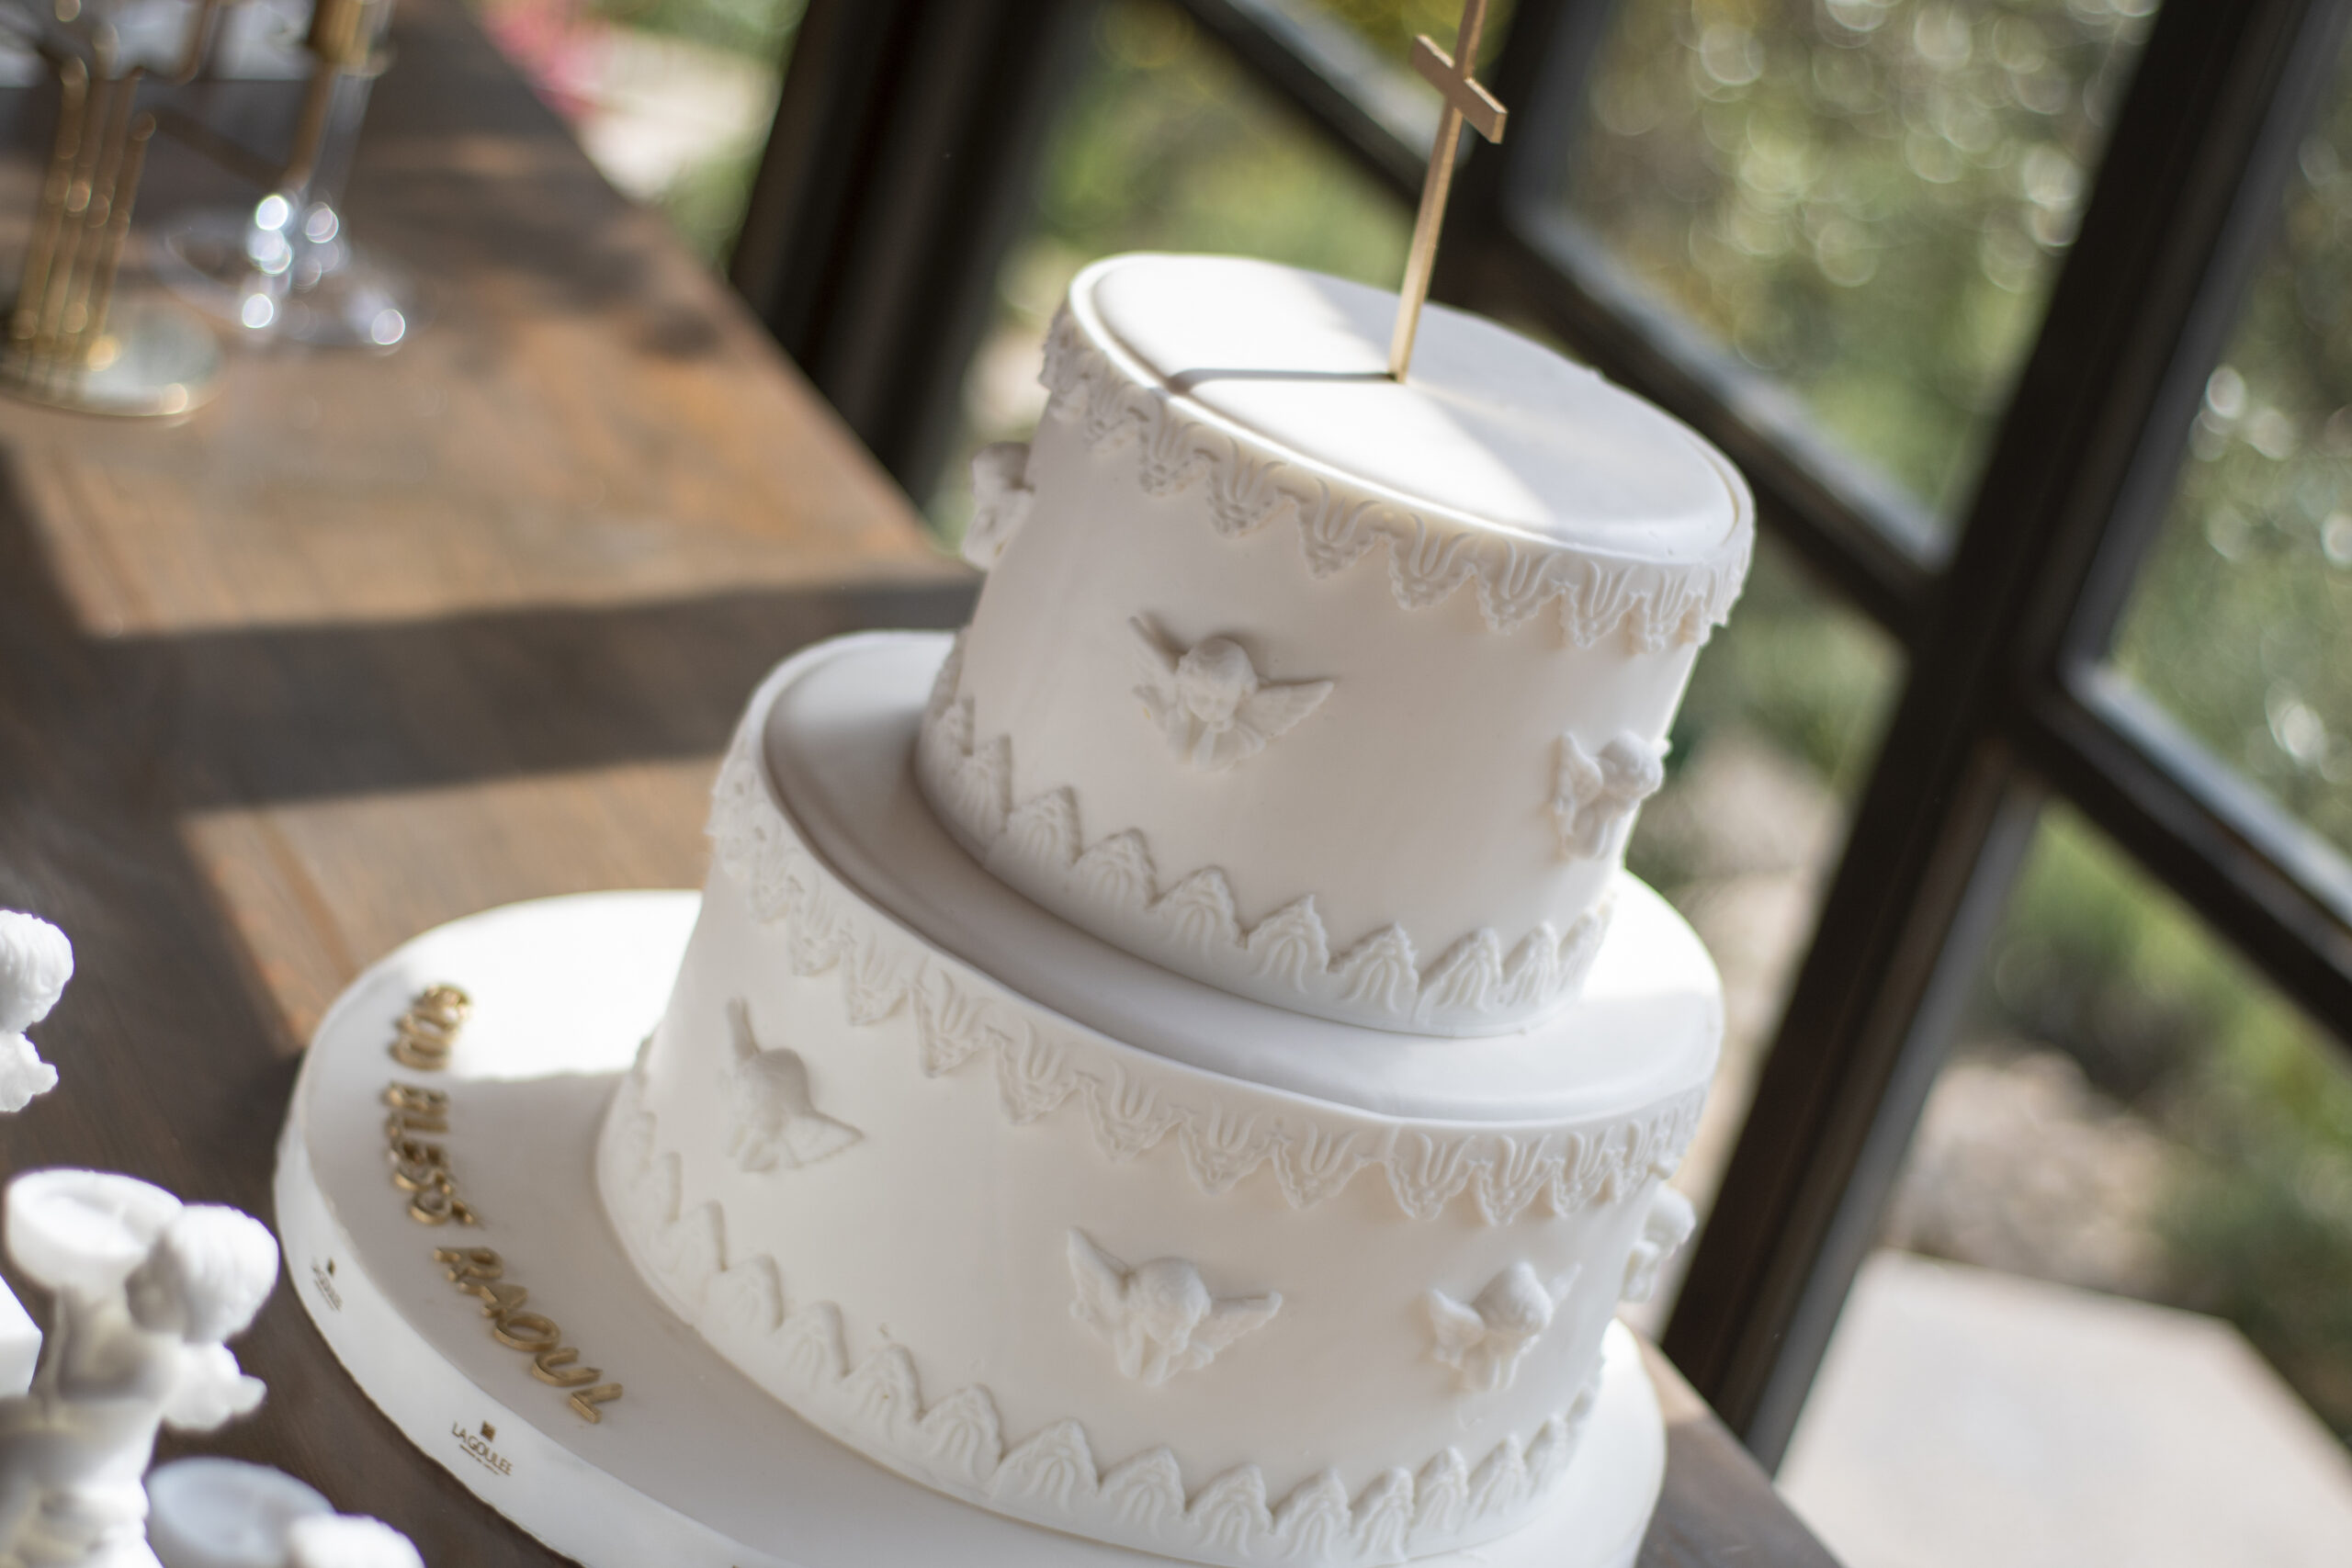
(34,963)
(147,1290)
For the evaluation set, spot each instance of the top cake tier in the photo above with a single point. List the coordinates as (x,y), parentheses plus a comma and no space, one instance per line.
(1330,691)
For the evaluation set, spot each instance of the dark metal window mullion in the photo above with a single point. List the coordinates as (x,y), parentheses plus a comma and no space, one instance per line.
(897,174)
(1935,837)
(2179,811)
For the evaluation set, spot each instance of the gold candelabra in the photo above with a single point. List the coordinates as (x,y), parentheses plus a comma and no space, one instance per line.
(70,343)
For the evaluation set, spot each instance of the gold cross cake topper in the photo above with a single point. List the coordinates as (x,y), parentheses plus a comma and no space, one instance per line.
(1465,100)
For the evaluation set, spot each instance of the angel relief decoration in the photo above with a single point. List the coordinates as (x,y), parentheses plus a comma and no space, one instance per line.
(776,1124)
(1209,701)
(1595,793)
(1159,1316)
(1001,500)
(147,1292)
(1483,1339)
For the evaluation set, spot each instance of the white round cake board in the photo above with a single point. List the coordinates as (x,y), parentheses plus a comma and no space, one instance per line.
(693,1466)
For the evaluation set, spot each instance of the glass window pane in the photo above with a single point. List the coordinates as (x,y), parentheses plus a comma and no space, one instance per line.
(1772,742)
(2241,626)
(671,97)
(1389,27)
(1164,144)
(2113,1320)
(1864,200)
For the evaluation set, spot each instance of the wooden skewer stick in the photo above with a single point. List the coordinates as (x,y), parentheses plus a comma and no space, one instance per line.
(1465,100)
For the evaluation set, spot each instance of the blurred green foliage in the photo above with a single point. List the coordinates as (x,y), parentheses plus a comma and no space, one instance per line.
(2257,1226)
(705,203)
(1171,147)
(2242,625)
(1862,198)
(758,29)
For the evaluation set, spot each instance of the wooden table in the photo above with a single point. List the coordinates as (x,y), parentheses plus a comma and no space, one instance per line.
(373,643)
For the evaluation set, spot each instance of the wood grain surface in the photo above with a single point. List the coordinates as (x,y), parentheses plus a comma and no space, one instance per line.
(373,642)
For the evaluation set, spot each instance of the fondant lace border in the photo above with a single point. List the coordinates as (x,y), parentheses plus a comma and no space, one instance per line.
(1133,1101)
(958,1444)
(1194,926)
(1656,604)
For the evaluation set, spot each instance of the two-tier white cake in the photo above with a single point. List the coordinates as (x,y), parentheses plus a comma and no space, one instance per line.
(1181,1062)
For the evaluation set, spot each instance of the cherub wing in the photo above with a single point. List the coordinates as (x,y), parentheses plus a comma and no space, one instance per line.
(741,1040)
(814,1136)
(1562,1283)
(1229,1318)
(1580,776)
(1102,1282)
(1579,784)
(1156,666)
(23,1074)
(1459,1329)
(1264,716)
(210,1390)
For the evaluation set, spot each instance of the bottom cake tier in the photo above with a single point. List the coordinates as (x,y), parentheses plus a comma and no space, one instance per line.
(1276,1289)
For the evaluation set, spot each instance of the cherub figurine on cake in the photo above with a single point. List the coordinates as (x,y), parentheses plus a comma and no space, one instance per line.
(147,1292)
(34,963)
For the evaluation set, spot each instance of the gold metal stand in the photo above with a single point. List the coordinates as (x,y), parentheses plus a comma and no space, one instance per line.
(71,343)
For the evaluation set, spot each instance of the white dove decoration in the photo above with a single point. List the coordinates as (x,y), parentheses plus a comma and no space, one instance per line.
(1159,1316)
(1595,797)
(1209,701)
(775,1124)
(1483,1340)
(34,963)
(1001,500)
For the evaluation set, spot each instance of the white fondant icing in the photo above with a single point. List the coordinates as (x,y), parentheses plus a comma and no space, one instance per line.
(1403,784)
(1159,1317)
(1209,702)
(992,1127)
(1112,886)
(1177,468)
(1596,794)
(1133,1101)
(1511,486)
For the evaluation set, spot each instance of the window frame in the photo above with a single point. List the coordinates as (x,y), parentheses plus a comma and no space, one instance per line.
(2006,700)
